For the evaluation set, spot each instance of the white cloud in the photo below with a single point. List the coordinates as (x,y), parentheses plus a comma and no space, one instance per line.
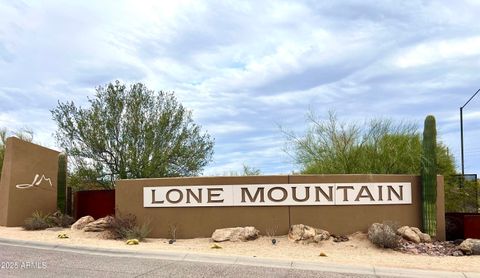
(244,67)
(227,128)
(439,51)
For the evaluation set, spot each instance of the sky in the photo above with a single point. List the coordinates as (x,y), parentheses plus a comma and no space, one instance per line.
(245,68)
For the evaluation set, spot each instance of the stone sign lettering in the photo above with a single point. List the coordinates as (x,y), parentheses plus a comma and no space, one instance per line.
(309,194)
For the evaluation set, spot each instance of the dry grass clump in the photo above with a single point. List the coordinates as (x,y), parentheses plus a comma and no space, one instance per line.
(40,221)
(126,227)
(59,219)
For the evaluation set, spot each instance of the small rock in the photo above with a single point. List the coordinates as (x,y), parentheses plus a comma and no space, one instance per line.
(99,225)
(340,238)
(457,253)
(274,241)
(82,222)
(322,254)
(301,232)
(235,234)
(470,246)
(438,248)
(306,234)
(321,235)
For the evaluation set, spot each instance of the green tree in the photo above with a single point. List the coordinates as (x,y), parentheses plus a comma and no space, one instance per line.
(81,178)
(461,198)
(131,133)
(379,146)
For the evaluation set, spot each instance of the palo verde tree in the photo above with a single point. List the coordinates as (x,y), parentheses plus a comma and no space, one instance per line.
(379,146)
(131,132)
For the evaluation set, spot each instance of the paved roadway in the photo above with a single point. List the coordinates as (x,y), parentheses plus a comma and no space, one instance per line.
(49,263)
(43,260)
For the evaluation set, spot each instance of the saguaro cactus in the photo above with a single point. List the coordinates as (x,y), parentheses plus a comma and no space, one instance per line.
(429,176)
(61,182)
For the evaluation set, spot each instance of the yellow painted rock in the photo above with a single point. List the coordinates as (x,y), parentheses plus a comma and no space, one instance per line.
(132,242)
(216,246)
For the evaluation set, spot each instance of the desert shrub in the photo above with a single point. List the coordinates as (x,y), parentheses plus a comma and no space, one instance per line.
(172,230)
(394,225)
(58,219)
(271,231)
(38,221)
(122,224)
(138,232)
(126,227)
(384,235)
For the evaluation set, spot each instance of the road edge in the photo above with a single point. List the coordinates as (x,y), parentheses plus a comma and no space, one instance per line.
(239,260)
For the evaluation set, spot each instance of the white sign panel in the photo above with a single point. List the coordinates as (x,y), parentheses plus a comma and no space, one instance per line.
(309,194)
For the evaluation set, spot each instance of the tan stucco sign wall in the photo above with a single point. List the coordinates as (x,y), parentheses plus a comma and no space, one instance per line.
(28,182)
(197,217)
(308,194)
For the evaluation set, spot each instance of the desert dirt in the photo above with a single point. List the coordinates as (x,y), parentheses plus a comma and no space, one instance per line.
(357,251)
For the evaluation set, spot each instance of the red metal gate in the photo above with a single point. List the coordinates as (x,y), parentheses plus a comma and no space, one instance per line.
(96,203)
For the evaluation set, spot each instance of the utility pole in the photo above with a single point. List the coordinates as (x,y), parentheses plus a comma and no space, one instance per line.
(461,137)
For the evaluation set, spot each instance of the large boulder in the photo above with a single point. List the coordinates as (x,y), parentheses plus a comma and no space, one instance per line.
(82,222)
(305,234)
(408,234)
(414,234)
(470,246)
(424,237)
(235,234)
(100,225)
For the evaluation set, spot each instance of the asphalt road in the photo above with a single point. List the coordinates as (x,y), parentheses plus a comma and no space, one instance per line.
(30,262)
